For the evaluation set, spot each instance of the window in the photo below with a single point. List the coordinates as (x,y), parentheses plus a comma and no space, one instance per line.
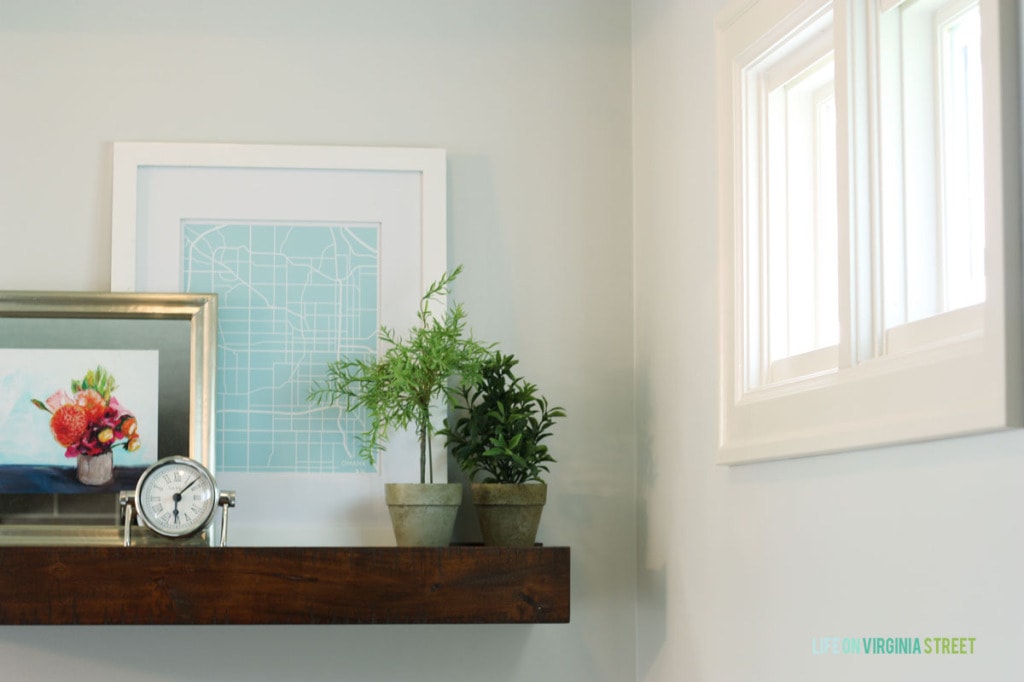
(793,232)
(869,223)
(934,228)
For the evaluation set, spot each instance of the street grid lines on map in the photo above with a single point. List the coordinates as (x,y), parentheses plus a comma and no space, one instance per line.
(291,298)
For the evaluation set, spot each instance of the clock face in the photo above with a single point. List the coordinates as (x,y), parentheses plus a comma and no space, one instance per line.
(176,497)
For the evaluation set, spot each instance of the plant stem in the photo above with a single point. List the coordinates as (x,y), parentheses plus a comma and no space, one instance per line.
(423,453)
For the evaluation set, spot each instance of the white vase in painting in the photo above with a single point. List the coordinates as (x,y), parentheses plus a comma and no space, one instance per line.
(97,469)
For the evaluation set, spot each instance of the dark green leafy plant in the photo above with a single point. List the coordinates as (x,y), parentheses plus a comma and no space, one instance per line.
(399,387)
(499,426)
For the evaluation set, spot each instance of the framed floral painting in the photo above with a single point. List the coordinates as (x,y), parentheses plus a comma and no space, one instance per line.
(96,387)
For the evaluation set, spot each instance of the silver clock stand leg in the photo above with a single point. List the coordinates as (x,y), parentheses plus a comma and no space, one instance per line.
(127,500)
(227,500)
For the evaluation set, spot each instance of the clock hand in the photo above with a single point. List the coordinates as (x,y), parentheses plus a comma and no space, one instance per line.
(177,496)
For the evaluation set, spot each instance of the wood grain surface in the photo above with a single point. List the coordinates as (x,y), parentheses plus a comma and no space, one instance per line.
(283,585)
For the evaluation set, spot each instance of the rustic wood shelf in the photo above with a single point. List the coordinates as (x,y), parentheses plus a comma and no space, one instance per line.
(282,585)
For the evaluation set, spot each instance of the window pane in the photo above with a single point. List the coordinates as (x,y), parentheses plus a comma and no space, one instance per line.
(963,216)
(802,257)
(933,223)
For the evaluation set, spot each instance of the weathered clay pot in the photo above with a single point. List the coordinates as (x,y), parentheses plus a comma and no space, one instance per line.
(423,514)
(509,513)
(95,470)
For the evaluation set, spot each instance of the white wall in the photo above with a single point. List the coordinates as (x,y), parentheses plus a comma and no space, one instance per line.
(739,568)
(531,100)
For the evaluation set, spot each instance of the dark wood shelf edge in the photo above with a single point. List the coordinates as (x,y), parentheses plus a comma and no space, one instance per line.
(282,585)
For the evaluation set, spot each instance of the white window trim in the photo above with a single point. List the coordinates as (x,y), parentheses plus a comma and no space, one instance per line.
(919,388)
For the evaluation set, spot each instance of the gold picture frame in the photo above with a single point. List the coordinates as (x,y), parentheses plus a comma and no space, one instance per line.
(181,328)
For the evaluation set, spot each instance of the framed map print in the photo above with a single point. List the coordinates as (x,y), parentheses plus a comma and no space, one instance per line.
(309,250)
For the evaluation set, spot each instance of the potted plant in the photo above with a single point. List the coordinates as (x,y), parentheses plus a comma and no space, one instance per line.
(399,388)
(496,437)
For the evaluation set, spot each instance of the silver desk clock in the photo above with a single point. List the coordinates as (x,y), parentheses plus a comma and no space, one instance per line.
(176,497)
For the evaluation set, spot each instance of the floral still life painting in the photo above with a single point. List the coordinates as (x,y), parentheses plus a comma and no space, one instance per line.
(87,435)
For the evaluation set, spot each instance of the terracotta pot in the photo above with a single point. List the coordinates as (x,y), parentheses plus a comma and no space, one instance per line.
(509,513)
(423,514)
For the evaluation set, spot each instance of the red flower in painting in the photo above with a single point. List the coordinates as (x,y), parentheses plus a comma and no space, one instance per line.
(69,423)
(93,403)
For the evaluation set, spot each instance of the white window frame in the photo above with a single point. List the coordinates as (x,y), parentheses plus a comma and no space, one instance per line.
(929,384)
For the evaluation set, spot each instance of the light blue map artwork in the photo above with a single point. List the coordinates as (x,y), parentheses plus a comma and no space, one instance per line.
(291,298)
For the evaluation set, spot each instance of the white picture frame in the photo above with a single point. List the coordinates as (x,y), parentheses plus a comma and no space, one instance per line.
(159,186)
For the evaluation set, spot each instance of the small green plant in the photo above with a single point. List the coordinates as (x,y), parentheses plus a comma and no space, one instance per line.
(500,424)
(399,387)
